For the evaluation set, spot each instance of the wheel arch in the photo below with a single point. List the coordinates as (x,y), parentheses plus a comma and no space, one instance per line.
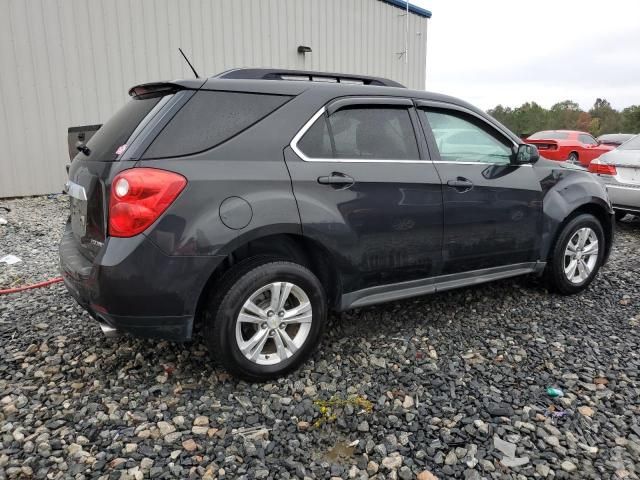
(289,245)
(596,207)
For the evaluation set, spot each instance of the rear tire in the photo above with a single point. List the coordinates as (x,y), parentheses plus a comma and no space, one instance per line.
(573,158)
(577,255)
(265,318)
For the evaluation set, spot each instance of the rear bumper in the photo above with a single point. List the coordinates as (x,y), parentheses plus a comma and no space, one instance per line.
(133,287)
(623,196)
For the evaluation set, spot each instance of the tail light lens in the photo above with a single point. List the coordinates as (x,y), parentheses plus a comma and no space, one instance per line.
(138,198)
(602,168)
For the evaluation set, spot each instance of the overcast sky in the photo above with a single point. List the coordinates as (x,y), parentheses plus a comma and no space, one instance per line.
(491,52)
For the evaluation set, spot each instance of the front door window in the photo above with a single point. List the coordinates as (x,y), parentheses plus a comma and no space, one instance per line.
(460,140)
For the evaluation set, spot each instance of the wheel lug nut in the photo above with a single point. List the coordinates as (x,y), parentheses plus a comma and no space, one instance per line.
(281,313)
(264,325)
(281,326)
(270,313)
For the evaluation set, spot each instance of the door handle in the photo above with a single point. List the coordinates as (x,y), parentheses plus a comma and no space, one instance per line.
(338,179)
(461,184)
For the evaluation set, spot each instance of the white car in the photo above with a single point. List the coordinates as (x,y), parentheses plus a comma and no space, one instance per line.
(619,169)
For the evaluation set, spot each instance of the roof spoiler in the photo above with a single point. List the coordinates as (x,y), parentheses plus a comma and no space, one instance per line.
(154,88)
(306,75)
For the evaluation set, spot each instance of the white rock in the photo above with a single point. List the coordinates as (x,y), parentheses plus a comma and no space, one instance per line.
(392,462)
(408,402)
(507,448)
(201,421)
(542,469)
(165,428)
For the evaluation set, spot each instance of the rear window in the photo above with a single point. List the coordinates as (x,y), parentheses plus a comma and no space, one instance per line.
(549,135)
(210,118)
(633,144)
(119,128)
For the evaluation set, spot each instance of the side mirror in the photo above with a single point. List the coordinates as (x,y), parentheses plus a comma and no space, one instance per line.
(527,153)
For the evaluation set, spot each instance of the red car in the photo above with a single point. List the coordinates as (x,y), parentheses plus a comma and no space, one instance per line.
(570,145)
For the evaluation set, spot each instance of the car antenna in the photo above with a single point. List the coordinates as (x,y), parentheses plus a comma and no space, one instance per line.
(188,62)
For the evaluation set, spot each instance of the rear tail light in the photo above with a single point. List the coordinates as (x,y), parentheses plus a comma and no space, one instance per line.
(602,168)
(138,198)
(545,145)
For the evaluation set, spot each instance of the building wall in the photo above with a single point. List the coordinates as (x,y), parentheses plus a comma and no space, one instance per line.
(70,62)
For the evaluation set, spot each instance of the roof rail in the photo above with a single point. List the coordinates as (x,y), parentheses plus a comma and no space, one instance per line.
(306,75)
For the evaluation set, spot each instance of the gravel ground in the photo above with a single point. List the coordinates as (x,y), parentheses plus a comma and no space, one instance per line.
(452,384)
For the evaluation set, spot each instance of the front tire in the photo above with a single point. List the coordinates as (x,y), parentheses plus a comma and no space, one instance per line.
(577,255)
(573,158)
(265,318)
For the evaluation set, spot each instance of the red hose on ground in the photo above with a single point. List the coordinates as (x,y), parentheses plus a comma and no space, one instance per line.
(29,287)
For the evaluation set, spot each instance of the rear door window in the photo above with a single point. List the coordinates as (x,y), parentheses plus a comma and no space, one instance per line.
(104,145)
(370,133)
(211,118)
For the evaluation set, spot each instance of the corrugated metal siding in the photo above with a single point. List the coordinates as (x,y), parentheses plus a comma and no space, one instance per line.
(70,62)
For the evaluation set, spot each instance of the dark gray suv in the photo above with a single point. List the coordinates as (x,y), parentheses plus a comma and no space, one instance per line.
(260,199)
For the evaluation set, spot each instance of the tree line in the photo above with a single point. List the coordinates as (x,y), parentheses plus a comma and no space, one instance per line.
(600,119)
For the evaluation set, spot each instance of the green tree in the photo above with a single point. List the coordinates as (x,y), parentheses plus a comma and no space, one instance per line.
(529,118)
(564,115)
(602,118)
(630,120)
(609,118)
(500,113)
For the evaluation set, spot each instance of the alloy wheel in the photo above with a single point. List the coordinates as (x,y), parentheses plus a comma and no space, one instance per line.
(274,323)
(581,255)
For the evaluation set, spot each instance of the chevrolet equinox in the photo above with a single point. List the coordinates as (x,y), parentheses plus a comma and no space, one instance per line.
(259,200)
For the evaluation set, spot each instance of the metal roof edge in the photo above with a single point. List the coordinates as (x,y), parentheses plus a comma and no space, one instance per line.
(412,8)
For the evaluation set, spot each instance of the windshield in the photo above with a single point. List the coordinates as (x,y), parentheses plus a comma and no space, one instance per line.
(549,135)
(105,144)
(633,144)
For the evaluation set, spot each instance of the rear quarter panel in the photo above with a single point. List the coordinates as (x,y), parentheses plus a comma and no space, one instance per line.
(250,168)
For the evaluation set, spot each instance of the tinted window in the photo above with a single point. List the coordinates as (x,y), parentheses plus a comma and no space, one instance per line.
(362,133)
(633,144)
(550,135)
(587,139)
(118,129)
(316,143)
(462,140)
(209,119)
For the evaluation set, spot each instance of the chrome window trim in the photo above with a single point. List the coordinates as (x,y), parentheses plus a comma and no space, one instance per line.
(294,146)
(301,154)
(453,162)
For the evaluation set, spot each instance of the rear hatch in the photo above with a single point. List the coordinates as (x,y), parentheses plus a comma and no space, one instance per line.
(116,146)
